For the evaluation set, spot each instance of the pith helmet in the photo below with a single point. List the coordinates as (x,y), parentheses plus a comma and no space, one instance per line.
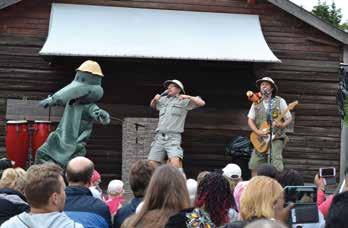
(269,80)
(91,67)
(176,82)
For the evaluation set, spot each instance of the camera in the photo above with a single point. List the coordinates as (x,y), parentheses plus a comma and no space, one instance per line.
(327,172)
(329,175)
(305,200)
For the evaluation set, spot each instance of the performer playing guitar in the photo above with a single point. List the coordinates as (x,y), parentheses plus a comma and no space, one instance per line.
(269,109)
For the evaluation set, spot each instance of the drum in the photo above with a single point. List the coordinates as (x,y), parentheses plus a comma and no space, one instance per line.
(41,130)
(17,141)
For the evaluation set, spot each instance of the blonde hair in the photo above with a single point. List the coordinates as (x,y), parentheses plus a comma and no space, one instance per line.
(259,198)
(13,178)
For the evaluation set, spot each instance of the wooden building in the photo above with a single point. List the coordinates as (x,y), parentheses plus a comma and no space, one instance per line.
(310,51)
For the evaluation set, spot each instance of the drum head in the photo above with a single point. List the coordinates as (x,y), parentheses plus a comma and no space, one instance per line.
(42,121)
(17,122)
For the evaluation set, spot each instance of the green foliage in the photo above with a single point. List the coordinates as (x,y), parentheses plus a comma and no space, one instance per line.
(329,13)
(344,26)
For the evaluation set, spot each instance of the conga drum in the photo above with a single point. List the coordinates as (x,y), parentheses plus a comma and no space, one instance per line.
(41,130)
(17,141)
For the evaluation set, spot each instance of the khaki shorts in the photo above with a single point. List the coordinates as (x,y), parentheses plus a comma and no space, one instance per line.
(166,144)
(263,158)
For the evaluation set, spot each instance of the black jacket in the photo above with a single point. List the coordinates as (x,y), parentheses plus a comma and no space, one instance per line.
(12,203)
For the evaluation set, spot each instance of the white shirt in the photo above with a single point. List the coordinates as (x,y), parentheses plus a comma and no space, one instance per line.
(282,104)
(95,192)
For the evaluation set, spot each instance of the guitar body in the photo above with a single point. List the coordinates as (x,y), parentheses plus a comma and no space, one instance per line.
(260,143)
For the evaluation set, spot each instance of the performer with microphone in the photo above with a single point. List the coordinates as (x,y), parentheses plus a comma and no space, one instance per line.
(173,105)
(268,110)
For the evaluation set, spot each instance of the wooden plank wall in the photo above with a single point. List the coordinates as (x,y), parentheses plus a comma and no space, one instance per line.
(308,73)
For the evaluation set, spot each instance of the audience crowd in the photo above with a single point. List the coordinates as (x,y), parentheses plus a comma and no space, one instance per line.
(47,196)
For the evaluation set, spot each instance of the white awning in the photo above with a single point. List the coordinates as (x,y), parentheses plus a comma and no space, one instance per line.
(102,31)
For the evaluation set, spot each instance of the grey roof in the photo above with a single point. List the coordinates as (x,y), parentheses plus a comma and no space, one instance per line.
(153,33)
(6,3)
(287,6)
(311,19)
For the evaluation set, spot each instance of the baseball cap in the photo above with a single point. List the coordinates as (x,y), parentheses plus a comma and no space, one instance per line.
(115,187)
(232,171)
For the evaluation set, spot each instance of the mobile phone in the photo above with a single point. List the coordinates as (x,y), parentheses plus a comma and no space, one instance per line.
(327,172)
(302,214)
(301,194)
(305,200)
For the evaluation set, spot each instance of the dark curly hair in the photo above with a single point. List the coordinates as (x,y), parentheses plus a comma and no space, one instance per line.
(214,195)
(267,170)
(290,177)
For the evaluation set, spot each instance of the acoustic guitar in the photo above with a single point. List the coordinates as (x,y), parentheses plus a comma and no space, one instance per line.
(261,143)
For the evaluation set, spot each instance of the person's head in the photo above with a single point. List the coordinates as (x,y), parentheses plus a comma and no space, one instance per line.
(95,179)
(265,223)
(139,176)
(174,87)
(167,193)
(260,198)
(13,178)
(233,173)
(267,86)
(79,171)
(338,213)
(192,189)
(44,188)
(115,188)
(290,177)
(6,163)
(201,176)
(236,224)
(214,196)
(267,170)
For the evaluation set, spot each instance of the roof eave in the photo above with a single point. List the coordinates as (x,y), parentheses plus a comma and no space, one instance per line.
(6,3)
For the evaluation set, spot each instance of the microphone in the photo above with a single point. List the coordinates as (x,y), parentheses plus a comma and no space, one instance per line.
(165,93)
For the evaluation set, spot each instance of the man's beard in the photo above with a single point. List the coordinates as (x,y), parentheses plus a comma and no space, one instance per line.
(266,92)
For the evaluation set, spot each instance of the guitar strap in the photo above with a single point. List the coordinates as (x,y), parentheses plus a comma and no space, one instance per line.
(269,120)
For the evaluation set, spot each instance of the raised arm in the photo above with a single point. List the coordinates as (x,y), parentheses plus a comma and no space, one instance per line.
(154,101)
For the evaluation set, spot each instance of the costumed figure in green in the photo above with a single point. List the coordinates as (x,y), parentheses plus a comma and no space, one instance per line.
(75,127)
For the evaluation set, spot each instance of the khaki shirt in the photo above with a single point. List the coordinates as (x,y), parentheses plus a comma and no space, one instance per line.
(172,114)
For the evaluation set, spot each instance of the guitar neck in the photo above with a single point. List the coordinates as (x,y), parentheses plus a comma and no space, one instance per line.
(291,106)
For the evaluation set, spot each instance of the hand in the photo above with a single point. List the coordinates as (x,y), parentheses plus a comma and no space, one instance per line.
(46,102)
(104,117)
(319,182)
(278,124)
(262,132)
(282,213)
(183,96)
(157,97)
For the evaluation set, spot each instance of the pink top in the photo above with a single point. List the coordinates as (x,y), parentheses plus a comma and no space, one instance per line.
(237,192)
(323,203)
(114,204)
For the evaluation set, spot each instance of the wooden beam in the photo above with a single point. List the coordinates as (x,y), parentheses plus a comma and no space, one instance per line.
(6,3)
